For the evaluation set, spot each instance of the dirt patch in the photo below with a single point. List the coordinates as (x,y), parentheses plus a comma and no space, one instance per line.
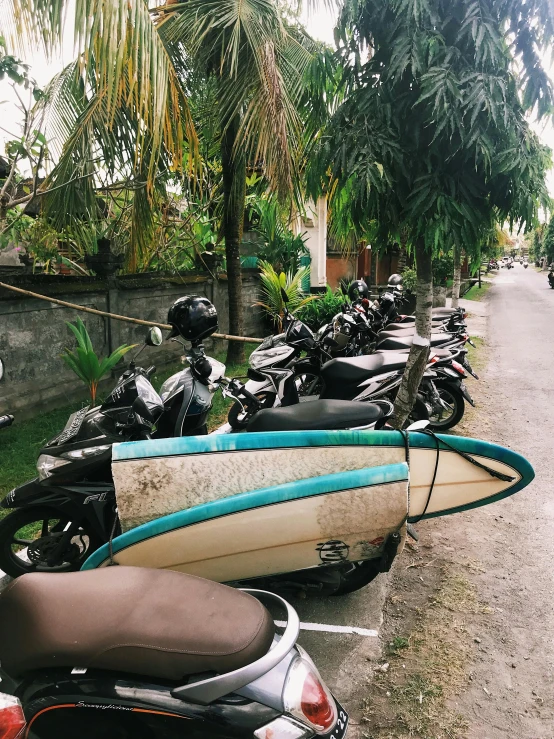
(499,681)
(428,652)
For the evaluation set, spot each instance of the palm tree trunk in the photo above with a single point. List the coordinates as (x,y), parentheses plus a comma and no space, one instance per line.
(457,274)
(419,353)
(234,200)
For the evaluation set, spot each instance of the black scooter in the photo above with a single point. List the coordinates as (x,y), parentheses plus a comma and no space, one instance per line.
(72,501)
(134,653)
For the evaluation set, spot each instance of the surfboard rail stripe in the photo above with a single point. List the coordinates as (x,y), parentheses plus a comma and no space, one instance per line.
(192,445)
(290,491)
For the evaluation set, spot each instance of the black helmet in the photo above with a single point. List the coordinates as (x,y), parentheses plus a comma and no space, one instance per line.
(358,290)
(192,317)
(395,280)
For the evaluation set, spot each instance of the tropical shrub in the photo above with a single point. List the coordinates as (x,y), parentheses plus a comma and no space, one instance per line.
(271,296)
(409,279)
(281,247)
(84,361)
(321,310)
(443,269)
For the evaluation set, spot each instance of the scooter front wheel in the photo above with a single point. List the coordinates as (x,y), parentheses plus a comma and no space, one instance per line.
(29,538)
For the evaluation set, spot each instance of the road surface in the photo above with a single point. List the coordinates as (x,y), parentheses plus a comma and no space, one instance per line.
(511,693)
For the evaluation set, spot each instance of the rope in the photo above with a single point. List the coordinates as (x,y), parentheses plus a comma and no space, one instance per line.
(492,473)
(140,321)
(113,563)
(432,486)
(469,458)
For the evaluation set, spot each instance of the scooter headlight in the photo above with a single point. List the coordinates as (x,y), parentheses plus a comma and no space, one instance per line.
(91,451)
(260,359)
(46,464)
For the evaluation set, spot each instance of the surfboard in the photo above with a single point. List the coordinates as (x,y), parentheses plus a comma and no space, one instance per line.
(247,505)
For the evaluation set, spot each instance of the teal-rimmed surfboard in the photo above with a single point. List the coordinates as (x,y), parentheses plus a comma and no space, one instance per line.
(234,507)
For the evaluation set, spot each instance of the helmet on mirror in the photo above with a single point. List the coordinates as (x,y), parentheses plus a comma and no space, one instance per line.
(192,317)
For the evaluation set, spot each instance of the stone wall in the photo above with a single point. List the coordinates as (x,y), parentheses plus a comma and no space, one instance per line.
(33,333)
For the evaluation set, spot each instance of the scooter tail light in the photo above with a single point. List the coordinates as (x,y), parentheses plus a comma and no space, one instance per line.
(12,718)
(307,698)
(459,368)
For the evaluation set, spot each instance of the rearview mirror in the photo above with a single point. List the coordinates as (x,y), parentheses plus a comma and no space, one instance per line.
(154,337)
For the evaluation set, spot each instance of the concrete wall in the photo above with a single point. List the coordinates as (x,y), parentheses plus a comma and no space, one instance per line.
(33,333)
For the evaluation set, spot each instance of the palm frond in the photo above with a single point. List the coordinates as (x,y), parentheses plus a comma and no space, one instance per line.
(246,44)
(272,285)
(123,70)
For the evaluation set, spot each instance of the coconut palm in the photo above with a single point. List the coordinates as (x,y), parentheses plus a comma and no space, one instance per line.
(123,103)
(120,108)
(258,63)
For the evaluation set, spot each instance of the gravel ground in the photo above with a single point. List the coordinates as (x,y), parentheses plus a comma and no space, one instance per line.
(506,549)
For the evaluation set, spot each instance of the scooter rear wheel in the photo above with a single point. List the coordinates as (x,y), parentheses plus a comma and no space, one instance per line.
(239,415)
(453,398)
(358,576)
(28,536)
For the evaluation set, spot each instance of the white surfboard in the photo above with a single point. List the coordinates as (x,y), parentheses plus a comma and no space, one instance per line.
(247,505)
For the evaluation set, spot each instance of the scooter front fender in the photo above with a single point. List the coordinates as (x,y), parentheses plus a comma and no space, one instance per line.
(30,493)
(255,386)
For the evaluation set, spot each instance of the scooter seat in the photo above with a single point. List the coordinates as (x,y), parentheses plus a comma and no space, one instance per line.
(316,415)
(129,619)
(436,323)
(389,342)
(357,369)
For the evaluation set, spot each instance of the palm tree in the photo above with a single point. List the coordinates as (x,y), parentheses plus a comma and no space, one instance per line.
(123,103)
(120,108)
(257,62)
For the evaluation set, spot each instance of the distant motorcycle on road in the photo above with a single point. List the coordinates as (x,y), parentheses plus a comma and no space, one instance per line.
(551,276)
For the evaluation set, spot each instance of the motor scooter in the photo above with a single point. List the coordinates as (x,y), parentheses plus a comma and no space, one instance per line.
(551,276)
(167,655)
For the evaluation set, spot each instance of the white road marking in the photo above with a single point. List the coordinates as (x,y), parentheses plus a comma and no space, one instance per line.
(330,628)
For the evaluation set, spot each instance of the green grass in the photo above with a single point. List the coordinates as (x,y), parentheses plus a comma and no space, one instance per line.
(20,444)
(476,292)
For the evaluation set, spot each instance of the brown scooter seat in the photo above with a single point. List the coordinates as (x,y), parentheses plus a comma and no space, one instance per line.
(151,622)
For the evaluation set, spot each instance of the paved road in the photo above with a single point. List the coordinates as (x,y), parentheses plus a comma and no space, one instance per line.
(512,688)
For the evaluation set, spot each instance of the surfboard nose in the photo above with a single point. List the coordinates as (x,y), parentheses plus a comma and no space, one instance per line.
(468,473)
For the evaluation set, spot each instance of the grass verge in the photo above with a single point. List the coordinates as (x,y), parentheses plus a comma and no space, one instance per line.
(477,355)
(476,292)
(427,666)
(20,444)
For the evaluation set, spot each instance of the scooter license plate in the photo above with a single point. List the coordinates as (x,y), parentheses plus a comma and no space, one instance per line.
(72,426)
(342,723)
